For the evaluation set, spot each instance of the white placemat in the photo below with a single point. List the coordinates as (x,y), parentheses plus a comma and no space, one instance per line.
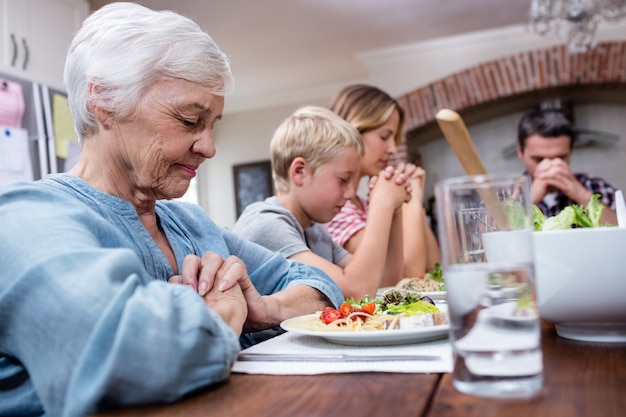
(292,343)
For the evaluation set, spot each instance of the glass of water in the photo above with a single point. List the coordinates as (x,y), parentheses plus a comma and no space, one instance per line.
(485,232)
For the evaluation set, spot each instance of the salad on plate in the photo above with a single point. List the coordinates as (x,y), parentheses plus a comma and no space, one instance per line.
(394,309)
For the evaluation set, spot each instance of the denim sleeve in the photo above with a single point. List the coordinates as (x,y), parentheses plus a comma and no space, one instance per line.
(271,272)
(82,326)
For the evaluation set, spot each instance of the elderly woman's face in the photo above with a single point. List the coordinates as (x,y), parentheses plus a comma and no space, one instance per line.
(168,137)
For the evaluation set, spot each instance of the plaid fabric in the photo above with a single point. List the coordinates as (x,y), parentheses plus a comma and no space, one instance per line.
(594,184)
(348,221)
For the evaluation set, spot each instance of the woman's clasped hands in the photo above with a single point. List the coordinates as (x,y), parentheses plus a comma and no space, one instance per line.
(406,177)
(226,288)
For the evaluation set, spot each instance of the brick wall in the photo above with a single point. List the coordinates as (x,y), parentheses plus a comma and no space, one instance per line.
(511,76)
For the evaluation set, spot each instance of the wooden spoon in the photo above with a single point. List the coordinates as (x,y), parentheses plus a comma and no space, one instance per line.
(458,137)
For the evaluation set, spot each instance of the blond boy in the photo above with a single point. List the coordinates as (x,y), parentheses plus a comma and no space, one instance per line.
(315,157)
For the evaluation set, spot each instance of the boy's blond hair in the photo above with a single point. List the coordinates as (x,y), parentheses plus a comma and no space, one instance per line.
(314,133)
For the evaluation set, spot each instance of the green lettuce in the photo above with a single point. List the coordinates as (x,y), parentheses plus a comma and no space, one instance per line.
(594,210)
(564,220)
(571,216)
(413,309)
(538,218)
(515,213)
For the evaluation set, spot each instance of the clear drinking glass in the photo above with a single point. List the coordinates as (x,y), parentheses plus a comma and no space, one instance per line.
(485,232)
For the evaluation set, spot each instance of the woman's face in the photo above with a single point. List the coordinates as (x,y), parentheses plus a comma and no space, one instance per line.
(162,145)
(379,146)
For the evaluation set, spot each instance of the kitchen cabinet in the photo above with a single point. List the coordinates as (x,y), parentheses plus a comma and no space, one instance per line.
(35,36)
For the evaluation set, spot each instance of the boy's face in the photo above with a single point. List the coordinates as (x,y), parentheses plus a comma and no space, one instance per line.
(332,185)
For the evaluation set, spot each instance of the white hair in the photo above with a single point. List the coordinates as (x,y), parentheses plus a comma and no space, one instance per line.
(124,48)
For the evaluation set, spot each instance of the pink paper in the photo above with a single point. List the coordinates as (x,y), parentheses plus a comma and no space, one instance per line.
(11,104)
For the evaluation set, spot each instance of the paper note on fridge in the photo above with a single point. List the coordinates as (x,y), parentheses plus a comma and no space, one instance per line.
(15,158)
(11,103)
(63,125)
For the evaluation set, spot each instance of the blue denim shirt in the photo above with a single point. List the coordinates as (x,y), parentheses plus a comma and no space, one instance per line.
(87,318)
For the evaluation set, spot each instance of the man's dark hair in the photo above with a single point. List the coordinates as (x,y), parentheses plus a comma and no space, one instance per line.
(546,123)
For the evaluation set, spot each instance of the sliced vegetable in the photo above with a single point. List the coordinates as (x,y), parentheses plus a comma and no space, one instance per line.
(369,308)
(345,309)
(329,315)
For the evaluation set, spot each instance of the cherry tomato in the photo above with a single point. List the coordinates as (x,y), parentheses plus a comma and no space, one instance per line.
(345,309)
(329,315)
(369,308)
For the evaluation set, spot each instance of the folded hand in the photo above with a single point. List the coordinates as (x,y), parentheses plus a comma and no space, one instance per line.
(212,274)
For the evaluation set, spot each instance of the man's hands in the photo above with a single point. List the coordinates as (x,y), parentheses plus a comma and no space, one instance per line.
(555,174)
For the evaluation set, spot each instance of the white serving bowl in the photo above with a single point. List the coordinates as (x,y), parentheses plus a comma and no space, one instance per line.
(581,282)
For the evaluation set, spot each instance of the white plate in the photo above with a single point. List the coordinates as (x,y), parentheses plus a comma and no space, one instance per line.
(373,337)
(434,295)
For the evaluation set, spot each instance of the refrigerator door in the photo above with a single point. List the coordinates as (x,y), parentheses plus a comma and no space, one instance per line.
(33,123)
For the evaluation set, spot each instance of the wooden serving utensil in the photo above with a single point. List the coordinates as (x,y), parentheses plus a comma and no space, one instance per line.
(460,141)
(458,137)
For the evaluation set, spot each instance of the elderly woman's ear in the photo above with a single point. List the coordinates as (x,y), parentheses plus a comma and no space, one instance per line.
(104,117)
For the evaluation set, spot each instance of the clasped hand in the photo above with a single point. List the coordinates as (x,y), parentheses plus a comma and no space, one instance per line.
(555,174)
(226,288)
(408,176)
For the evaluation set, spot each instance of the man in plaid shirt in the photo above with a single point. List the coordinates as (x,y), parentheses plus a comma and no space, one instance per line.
(545,140)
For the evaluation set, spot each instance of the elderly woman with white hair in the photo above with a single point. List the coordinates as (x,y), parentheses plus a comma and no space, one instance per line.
(92,311)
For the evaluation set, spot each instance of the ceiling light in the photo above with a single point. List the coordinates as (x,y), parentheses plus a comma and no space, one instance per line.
(582,17)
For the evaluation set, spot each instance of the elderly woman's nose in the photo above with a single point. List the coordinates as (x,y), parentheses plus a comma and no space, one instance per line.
(205,145)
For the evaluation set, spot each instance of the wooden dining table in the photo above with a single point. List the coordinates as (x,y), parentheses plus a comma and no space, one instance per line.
(580,379)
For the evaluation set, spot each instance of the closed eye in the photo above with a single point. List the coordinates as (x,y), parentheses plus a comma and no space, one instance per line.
(192,124)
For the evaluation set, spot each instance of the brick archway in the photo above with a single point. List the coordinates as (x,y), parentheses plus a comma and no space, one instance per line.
(536,73)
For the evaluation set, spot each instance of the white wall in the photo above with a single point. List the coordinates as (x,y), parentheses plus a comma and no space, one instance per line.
(245,136)
(405,68)
(239,138)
